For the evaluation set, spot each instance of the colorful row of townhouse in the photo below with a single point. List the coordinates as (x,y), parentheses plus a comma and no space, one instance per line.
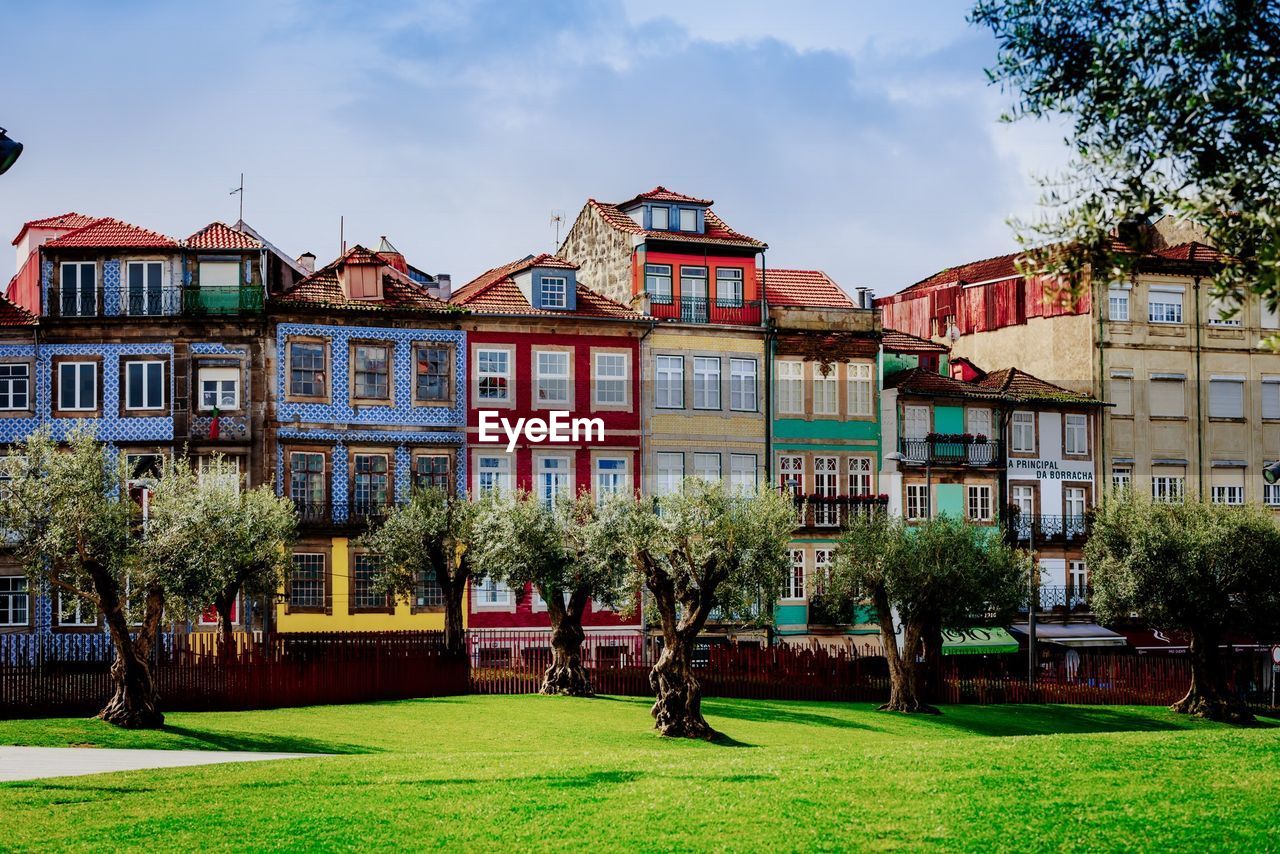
(346,386)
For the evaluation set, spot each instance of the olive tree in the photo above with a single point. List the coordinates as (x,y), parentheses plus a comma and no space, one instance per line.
(570,552)
(707,548)
(429,538)
(940,573)
(1190,566)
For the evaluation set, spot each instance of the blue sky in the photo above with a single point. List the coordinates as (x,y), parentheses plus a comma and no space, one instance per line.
(855,137)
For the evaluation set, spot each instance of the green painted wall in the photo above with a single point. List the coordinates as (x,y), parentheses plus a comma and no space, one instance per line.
(791,615)
(948,419)
(798,428)
(899,362)
(951,499)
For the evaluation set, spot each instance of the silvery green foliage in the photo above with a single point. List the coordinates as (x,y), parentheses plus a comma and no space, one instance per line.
(430,535)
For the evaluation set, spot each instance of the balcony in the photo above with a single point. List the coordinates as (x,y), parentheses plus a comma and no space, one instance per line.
(1063,600)
(1041,529)
(833,512)
(154,302)
(952,449)
(311,512)
(704,310)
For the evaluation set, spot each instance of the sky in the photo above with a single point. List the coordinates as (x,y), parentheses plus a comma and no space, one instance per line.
(856,137)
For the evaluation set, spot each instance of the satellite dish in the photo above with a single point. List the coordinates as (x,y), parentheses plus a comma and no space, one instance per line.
(9,151)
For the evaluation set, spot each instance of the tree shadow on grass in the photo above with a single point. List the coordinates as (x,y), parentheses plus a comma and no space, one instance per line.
(1017,720)
(760,710)
(259,743)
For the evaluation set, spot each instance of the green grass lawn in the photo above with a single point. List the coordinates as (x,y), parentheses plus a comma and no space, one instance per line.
(536,772)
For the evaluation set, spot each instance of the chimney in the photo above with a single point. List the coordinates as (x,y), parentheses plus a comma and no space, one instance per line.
(443,287)
(307,261)
(865,298)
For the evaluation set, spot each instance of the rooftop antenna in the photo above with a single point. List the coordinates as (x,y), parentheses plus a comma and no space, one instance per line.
(557,219)
(342,236)
(240,191)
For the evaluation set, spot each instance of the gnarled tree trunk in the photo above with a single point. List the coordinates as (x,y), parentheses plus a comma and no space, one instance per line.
(222,604)
(677,709)
(566,675)
(904,688)
(1209,697)
(135,704)
(453,586)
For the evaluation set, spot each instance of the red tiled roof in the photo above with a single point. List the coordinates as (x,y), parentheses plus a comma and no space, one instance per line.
(715,230)
(110,233)
(67,220)
(1017,383)
(1000,267)
(217,235)
(804,288)
(323,290)
(895,341)
(495,292)
(14,315)
(1192,251)
(922,381)
(662,194)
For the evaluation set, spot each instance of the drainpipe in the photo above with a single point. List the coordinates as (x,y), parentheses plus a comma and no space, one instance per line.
(1195,288)
(770,342)
(643,405)
(1103,451)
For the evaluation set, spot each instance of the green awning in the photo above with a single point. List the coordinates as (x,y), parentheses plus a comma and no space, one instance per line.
(978,641)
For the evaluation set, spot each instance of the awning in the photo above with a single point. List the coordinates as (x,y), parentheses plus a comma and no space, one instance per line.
(1154,640)
(983,640)
(1075,635)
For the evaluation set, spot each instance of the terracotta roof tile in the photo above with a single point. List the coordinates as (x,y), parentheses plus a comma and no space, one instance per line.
(895,341)
(12,314)
(323,290)
(70,220)
(1020,385)
(1192,251)
(716,231)
(110,233)
(662,194)
(922,381)
(217,235)
(812,288)
(1000,267)
(495,291)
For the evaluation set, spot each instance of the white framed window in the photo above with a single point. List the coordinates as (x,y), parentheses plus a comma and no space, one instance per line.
(554,291)
(1226,397)
(144,288)
(493,369)
(1023,499)
(552,379)
(1121,477)
(1023,433)
(861,476)
(77,386)
(669,474)
(306,580)
(1118,303)
(822,560)
(826,391)
(1219,309)
(1270,316)
(1075,434)
(219,274)
(688,219)
(144,385)
(861,389)
(742,471)
(791,473)
(1168,396)
(493,475)
(1168,487)
(729,286)
(1077,580)
(706,466)
(790,382)
(660,218)
(1226,485)
(611,378)
(15,601)
(668,386)
(1270,392)
(493,594)
(611,477)
(915,422)
(742,385)
(15,385)
(978,504)
(917,501)
(794,590)
(227,472)
(657,283)
(75,611)
(78,296)
(826,475)
(1074,501)
(1227,494)
(1271,494)
(706,382)
(1164,305)
(219,389)
(554,481)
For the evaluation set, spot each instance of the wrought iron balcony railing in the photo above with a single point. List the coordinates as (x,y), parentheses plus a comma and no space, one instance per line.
(153,302)
(820,511)
(704,310)
(973,452)
(1039,528)
(311,511)
(1064,599)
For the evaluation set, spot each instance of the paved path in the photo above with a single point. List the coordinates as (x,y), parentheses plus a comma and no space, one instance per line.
(32,763)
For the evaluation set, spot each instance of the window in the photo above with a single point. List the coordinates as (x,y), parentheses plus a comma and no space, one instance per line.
(688,219)
(1224,312)
(372,371)
(15,386)
(493,474)
(1121,394)
(306,581)
(742,385)
(1227,494)
(1168,487)
(144,385)
(493,367)
(611,378)
(917,501)
(822,560)
(729,286)
(1168,396)
(794,588)
(144,287)
(306,482)
(493,594)
(826,473)
(861,389)
(1270,497)
(1271,398)
(1121,477)
(693,294)
(1164,305)
(14,601)
(860,476)
(306,369)
(660,218)
(364,593)
(657,283)
(1074,500)
(554,291)
(431,470)
(552,380)
(1226,485)
(1023,500)
(611,477)
(1075,435)
(79,296)
(1118,304)
(670,473)
(369,491)
(1023,433)
(791,387)
(143,466)
(427,592)
(433,374)
(219,274)
(669,382)
(791,473)
(1077,581)
(1226,397)
(553,479)
(1270,315)
(706,382)
(77,386)
(978,504)
(219,389)
(706,466)
(826,390)
(75,611)
(742,471)
(224,471)
(915,422)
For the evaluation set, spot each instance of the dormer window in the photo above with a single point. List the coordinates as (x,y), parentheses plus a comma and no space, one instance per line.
(688,219)
(361,281)
(555,292)
(660,218)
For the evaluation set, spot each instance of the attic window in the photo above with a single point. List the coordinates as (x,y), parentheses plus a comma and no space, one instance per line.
(688,219)
(361,281)
(660,218)
(555,291)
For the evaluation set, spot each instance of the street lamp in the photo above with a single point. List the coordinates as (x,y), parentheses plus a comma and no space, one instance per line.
(9,151)
(1271,473)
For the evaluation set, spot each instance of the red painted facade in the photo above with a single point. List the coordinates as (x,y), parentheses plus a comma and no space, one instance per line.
(930,310)
(747,314)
